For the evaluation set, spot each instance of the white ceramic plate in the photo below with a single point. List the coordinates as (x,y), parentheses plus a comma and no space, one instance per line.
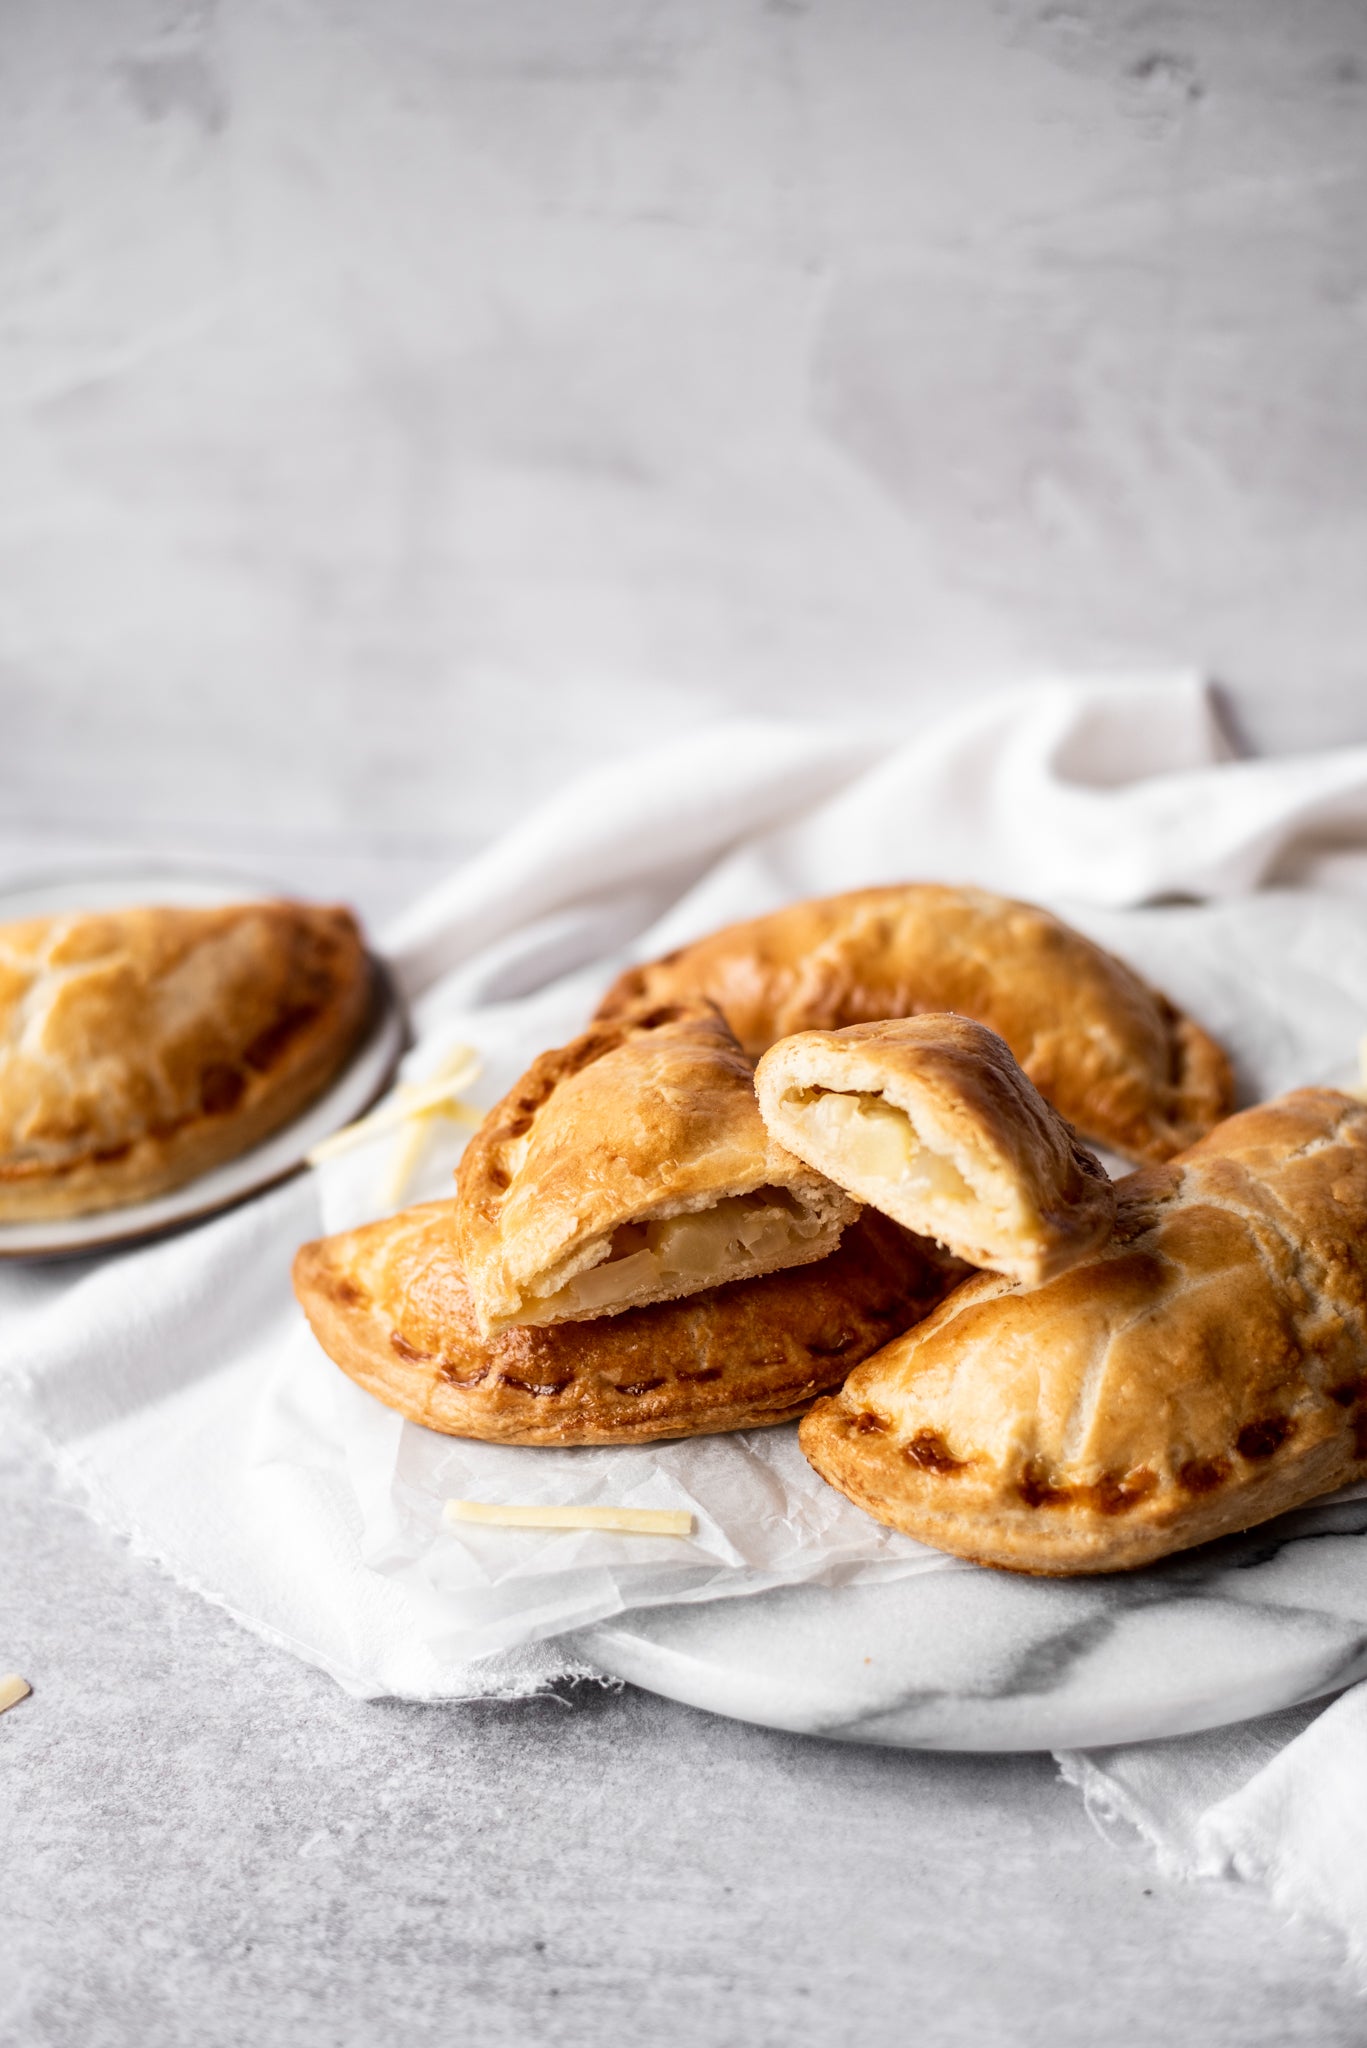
(366,1076)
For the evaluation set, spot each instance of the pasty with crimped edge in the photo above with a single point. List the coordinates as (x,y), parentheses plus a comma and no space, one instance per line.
(1111,1054)
(632,1166)
(1206,1370)
(388,1304)
(139,1048)
(930,1120)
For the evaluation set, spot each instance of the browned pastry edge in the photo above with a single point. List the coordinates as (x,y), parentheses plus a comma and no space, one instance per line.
(244,1092)
(1115,1057)
(388,1305)
(1268,1215)
(872,1484)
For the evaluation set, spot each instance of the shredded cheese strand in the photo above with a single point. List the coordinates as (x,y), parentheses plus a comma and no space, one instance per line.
(1358,1089)
(622,1521)
(12,1690)
(411,1099)
(413,1137)
(405,1160)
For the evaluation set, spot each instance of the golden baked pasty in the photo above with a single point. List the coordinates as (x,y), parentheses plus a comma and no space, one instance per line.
(1206,1370)
(1113,1056)
(930,1119)
(139,1048)
(388,1304)
(632,1166)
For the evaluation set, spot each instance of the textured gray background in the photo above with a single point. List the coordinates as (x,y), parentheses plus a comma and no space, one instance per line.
(404,404)
(406,398)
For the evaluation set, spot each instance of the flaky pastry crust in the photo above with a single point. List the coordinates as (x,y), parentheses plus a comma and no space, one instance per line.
(931,1120)
(139,1048)
(565,1191)
(1205,1371)
(1112,1055)
(389,1306)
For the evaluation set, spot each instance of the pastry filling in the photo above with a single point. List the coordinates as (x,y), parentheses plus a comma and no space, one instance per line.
(874,1149)
(738,1236)
(880,1142)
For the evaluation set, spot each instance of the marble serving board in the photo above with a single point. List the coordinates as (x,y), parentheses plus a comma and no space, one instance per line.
(986,1660)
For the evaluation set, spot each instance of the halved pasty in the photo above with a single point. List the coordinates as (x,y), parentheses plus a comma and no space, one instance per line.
(1204,1371)
(931,1120)
(139,1048)
(1112,1055)
(388,1304)
(633,1166)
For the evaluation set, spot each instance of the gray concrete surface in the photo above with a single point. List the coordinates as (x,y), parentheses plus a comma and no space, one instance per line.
(206,1843)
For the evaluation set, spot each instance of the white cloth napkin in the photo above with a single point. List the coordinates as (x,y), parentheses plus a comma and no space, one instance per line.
(1280,1803)
(178,1389)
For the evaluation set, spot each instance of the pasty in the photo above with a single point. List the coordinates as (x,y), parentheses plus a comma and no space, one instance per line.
(1113,1056)
(633,1166)
(139,1048)
(930,1120)
(1204,1371)
(388,1304)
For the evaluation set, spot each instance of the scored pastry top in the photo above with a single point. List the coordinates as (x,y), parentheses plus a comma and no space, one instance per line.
(632,1166)
(931,1120)
(140,1047)
(1114,1056)
(1205,1370)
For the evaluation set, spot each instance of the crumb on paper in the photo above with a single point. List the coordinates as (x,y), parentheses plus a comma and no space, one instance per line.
(13,1688)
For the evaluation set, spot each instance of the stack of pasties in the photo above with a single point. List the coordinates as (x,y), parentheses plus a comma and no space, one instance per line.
(630,1255)
(650,1238)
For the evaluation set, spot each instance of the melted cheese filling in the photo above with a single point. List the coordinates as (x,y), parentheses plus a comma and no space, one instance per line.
(738,1235)
(877,1143)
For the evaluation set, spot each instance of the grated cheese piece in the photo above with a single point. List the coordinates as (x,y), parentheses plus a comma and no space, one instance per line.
(411,1099)
(12,1690)
(412,1144)
(405,1160)
(411,1111)
(622,1521)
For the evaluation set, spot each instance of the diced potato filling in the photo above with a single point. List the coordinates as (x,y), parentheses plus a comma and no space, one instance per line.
(877,1142)
(735,1236)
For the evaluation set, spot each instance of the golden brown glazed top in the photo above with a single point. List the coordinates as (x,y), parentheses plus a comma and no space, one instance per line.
(649,1116)
(1206,1370)
(1112,1055)
(389,1305)
(127,1029)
